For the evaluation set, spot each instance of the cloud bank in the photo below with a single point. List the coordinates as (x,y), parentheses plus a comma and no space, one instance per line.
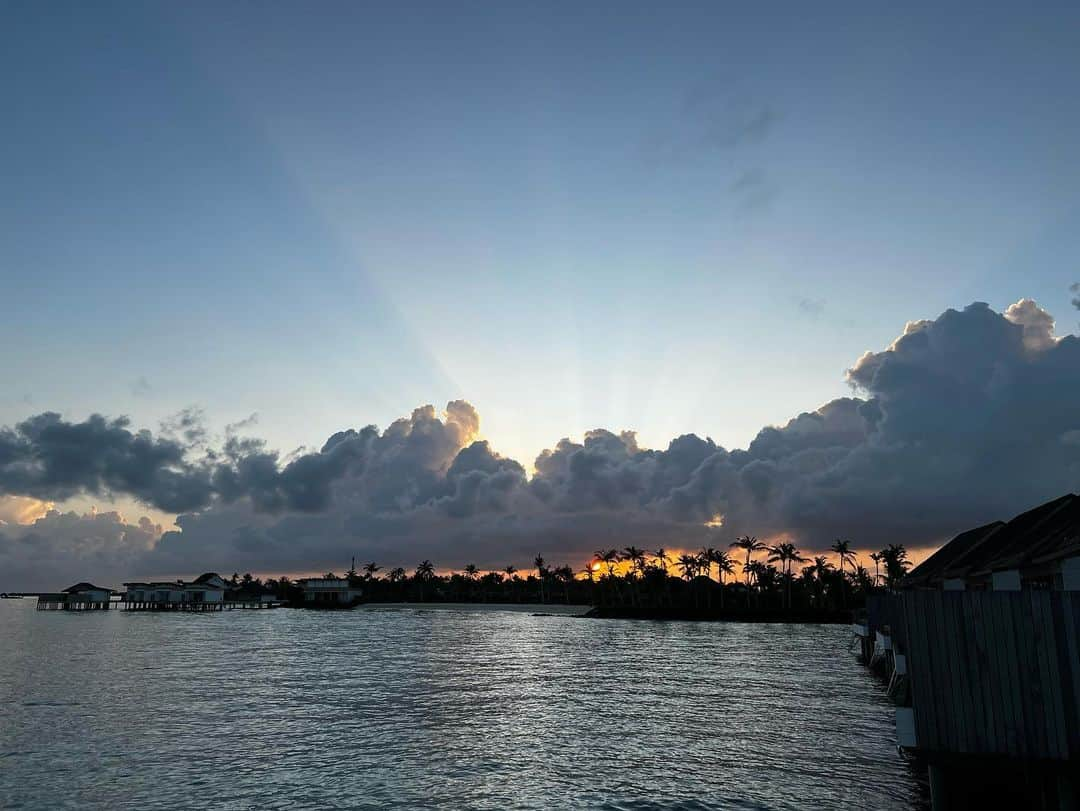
(963,419)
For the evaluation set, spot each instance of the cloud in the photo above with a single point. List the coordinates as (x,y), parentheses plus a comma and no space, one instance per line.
(754,190)
(965,418)
(141,387)
(1075,288)
(712,121)
(22,509)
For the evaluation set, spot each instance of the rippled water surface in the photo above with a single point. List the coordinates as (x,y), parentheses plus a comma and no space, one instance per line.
(451,708)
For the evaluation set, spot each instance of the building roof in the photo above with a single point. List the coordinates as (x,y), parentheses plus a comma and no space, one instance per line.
(1041,535)
(207,576)
(83,587)
(932,570)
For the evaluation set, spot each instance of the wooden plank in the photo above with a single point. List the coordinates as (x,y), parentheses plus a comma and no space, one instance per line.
(965,708)
(962,710)
(931,704)
(1011,670)
(1070,609)
(922,700)
(983,691)
(1059,744)
(999,676)
(1033,678)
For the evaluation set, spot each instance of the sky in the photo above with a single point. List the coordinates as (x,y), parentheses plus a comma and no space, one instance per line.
(668,219)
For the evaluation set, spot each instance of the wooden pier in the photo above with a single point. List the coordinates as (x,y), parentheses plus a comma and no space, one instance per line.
(195,606)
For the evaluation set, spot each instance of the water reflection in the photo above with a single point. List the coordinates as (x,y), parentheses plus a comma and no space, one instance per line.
(446,708)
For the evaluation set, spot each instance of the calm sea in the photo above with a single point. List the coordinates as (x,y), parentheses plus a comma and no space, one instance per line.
(451,708)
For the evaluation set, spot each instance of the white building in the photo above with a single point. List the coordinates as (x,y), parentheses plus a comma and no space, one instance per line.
(207,589)
(330,592)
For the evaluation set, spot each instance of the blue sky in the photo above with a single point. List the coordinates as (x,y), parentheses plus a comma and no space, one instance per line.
(661,217)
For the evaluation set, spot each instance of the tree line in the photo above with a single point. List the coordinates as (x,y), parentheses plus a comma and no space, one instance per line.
(749,575)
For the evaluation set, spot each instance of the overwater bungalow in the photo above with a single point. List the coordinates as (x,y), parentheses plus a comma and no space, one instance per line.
(80,597)
(205,593)
(323,592)
(981,646)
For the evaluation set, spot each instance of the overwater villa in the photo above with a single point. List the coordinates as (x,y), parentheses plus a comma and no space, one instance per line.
(80,597)
(981,647)
(205,593)
(324,592)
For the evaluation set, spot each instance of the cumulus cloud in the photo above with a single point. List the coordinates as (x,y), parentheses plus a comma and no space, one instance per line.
(965,418)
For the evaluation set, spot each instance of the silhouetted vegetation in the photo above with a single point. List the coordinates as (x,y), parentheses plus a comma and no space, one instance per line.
(754,579)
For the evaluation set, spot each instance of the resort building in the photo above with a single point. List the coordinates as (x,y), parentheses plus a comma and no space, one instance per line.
(80,597)
(206,593)
(980,647)
(1039,549)
(330,591)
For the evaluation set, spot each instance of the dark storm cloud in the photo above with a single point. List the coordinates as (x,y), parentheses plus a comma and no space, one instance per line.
(47,457)
(965,418)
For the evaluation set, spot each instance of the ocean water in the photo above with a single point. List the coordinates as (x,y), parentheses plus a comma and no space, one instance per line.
(405,707)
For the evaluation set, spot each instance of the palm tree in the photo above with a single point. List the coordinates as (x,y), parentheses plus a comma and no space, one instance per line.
(635,556)
(396,575)
(471,571)
(820,571)
(424,572)
(540,573)
(843,551)
(876,557)
(566,575)
(758,570)
(751,545)
(609,557)
(706,556)
(896,564)
(723,566)
(661,558)
(786,553)
(370,569)
(689,565)
(511,571)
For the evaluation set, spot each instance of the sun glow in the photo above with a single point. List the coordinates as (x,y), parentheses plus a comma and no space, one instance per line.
(716,521)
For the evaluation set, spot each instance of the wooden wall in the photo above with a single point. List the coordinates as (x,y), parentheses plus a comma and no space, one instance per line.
(995,672)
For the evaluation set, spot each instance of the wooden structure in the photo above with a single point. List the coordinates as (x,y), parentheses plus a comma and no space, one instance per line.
(982,652)
(80,597)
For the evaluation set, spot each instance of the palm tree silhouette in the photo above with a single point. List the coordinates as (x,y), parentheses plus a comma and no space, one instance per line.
(706,556)
(635,556)
(609,557)
(510,571)
(843,551)
(896,564)
(661,558)
(751,545)
(471,571)
(424,572)
(786,553)
(723,566)
(370,569)
(566,576)
(540,573)
(689,565)
(876,557)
